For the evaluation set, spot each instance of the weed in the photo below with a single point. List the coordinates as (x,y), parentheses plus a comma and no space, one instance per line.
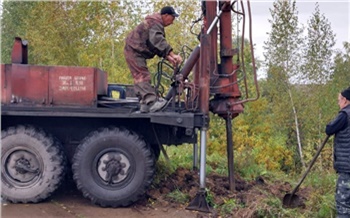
(325,182)
(210,197)
(163,170)
(249,169)
(229,206)
(273,202)
(218,163)
(180,156)
(178,197)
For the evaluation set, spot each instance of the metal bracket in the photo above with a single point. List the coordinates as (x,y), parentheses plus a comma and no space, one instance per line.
(199,203)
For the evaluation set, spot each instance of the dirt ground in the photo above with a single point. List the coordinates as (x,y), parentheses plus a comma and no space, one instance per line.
(75,206)
(68,202)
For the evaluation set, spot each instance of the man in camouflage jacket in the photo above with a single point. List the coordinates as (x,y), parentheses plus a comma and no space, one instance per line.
(340,126)
(144,42)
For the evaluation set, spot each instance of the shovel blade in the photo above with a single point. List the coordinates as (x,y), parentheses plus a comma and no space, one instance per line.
(292,201)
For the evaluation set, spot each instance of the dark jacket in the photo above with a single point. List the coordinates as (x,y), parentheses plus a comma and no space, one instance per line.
(148,38)
(342,146)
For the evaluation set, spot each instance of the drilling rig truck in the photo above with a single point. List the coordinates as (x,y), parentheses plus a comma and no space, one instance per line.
(56,118)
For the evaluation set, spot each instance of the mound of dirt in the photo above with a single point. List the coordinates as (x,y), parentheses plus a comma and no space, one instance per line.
(248,194)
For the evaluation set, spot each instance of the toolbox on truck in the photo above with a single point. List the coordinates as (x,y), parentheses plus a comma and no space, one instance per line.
(52,85)
(49,85)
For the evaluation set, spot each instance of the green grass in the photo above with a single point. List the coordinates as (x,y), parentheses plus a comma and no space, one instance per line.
(210,198)
(178,197)
(180,156)
(229,205)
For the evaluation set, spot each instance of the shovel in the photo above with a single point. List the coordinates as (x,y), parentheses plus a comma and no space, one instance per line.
(292,200)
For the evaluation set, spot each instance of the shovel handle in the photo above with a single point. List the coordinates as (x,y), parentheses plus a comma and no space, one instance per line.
(311,164)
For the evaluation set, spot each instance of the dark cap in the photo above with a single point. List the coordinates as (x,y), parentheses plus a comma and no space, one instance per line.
(346,93)
(169,10)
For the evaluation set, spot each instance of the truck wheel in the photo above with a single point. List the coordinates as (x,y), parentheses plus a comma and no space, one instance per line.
(113,167)
(32,165)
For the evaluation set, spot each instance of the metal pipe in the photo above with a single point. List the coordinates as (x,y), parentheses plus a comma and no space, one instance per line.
(204,77)
(195,156)
(191,62)
(203,144)
(216,19)
(230,157)
(186,70)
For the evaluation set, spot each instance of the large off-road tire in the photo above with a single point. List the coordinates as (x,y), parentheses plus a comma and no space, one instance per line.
(32,164)
(113,167)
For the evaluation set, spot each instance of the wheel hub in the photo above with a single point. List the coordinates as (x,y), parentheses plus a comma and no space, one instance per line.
(22,166)
(113,167)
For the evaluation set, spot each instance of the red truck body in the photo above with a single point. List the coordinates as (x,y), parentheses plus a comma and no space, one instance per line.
(49,85)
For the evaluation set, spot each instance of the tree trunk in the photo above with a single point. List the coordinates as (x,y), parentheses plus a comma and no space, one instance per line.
(297,128)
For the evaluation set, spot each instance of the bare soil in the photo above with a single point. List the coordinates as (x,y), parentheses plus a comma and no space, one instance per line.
(69,202)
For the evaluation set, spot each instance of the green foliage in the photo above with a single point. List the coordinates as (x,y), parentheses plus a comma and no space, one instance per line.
(321,199)
(163,171)
(317,70)
(247,167)
(327,207)
(321,40)
(228,206)
(210,198)
(340,77)
(217,163)
(254,139)
(13,16)
(179,156)
(255,136)
(178,197)
(323,184)
(273,204)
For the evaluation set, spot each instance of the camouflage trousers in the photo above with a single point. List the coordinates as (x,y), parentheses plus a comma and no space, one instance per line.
(137,65)
(342,195)
(142,77)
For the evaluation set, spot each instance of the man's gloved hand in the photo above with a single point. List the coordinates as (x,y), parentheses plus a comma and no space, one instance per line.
(178,59)
(174,59)
(171,60)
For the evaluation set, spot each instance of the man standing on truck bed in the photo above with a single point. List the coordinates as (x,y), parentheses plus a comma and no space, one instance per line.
(340,126)
(144,42)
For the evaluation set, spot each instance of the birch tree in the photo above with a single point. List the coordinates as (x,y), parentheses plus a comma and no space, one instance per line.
(282,58)
(319,49)
(317,69)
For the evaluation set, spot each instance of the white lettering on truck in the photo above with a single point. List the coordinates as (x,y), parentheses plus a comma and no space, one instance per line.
(72,83)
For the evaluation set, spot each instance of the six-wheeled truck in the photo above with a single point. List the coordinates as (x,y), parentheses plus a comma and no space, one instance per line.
(55,118)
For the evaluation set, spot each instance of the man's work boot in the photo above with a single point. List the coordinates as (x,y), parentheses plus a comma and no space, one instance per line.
(158,105)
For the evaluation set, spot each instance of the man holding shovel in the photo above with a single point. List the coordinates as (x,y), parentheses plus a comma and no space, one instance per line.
(340,126)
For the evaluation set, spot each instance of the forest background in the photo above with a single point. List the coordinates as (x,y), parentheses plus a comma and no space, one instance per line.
(277,134)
